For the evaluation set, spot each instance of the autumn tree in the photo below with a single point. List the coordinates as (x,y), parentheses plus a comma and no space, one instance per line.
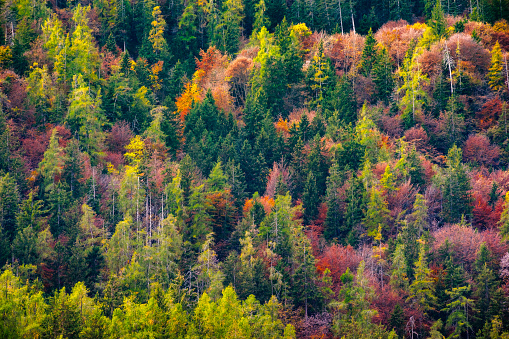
(496,74)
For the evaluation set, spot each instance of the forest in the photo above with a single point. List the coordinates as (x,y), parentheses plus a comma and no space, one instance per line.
(254,169)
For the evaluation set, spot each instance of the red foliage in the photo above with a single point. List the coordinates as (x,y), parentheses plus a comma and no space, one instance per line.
(402,199)
(64,135)
(392,125)
(478,150)
(116,159)
(315,231)
(337,259)
(34,146)
(385,302)
(482,212)
(429,172)
(489,113)
(119,137)
(315,327)
(465,242)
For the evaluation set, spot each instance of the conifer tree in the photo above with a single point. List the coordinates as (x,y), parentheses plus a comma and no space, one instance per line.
(9,200)
(377,213)
(458,310)
(495,74)
(52,164)
(422,290)
(437,21)
(310,199)
(156,35)
(382,76)
(85,117)
(369,55)
(456,188)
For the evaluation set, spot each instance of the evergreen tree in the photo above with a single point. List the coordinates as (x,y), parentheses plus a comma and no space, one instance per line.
(382,76)
(437,21)
(422,290)
(456,188)
(334,220)
(310,199)
(9,200)
(369,55)
(458,310)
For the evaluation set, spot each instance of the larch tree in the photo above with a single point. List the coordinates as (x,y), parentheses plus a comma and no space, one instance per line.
(496,71)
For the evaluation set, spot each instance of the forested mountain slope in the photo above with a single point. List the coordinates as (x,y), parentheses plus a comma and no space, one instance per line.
(278,169)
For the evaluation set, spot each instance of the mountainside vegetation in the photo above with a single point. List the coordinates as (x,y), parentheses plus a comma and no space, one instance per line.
(254,169)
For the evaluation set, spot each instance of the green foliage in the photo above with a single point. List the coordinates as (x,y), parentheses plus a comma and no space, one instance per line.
(456,188)
(421,291)
(369,55)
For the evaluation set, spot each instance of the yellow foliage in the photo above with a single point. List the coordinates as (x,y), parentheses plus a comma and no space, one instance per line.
(154,75)
(135,150)
(185,100)
(111,169)
(301,30)
(501,26)
(282,125)
(418,25)
(5,55)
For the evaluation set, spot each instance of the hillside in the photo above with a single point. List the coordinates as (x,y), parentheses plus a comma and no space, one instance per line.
(226,169)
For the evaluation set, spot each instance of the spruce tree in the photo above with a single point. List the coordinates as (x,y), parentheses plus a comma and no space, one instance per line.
(369,55)
(456,188)
(382,76)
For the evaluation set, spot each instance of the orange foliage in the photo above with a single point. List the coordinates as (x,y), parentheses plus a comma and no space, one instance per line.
(268,203)
(282,126)
(396,37)
(489,113)
(247,206)
(210,59)
(345,51)
(337,259)
(185,101)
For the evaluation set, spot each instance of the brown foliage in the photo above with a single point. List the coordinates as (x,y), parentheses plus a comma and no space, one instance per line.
(337,259)
(391,125)
(396,37)
(237,73)
(418,137)
(475,57)
(430,61)
(345,51)
(212,69)
(478,150)
(317,326)
(119,137)
(489,113)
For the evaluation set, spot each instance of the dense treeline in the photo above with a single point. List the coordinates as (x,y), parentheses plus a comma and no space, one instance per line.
(254,169)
